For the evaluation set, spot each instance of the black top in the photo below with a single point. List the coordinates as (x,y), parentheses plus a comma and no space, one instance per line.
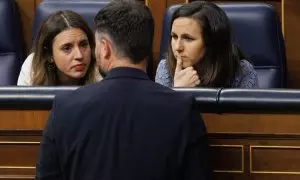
(124,128)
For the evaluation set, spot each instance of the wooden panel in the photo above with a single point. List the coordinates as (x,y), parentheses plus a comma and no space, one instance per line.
(23,119)
(228,158)
(287,159)
(157,8)
(16,177)
(19,151)
(171,2)
(18,154)
(292,40)
(27,9)
(252,123)
(229,176)
(280,158)
(234,139)
(274,177)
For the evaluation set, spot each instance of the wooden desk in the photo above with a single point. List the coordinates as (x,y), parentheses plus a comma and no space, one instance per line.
(254,146)
(243,146)
(19,142)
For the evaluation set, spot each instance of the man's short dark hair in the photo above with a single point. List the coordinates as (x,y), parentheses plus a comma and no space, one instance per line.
(130,26)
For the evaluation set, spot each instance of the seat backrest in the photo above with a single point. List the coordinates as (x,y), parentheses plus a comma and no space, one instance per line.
(257,30)
(87,9)
(11,43)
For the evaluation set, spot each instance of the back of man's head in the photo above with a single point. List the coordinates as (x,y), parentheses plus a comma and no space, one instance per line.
(130,27)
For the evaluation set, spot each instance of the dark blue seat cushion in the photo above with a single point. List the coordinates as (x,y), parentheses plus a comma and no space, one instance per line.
(11,43)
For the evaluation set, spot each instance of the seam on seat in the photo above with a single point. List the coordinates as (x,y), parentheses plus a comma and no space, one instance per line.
(9,53)
(218,100)
(263,67)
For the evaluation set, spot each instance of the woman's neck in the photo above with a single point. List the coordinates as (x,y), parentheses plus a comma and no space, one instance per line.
(68,81)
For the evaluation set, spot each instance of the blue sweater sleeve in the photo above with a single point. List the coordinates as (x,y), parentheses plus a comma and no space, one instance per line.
(162,74)
(246,77)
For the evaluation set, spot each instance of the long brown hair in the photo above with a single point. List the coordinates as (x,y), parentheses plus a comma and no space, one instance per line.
(222,56)
(43,70)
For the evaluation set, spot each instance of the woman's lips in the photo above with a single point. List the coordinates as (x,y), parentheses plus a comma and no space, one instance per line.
(79,67)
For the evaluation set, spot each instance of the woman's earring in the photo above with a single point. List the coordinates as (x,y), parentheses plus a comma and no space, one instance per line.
(51,65)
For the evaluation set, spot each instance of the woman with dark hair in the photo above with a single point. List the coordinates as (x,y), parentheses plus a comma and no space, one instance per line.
(62,53)
(202,53)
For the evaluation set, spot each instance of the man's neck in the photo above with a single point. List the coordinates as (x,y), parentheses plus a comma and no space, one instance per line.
(126,63)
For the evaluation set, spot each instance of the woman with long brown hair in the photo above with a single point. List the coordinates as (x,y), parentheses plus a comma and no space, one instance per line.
(62,53)
(202,52)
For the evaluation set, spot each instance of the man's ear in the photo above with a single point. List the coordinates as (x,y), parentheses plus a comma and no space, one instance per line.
(106,48)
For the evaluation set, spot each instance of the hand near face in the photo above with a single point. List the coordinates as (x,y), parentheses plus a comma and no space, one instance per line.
(187,77)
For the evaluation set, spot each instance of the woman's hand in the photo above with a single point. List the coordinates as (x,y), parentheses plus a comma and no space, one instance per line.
(187,77)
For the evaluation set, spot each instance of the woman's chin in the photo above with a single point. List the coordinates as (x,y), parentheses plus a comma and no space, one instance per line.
(78,75)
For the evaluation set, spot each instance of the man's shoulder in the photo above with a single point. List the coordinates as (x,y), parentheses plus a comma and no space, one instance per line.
(149,90)
(170,95)
(79,95)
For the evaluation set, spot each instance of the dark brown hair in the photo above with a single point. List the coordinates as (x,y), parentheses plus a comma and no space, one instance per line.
(130,26)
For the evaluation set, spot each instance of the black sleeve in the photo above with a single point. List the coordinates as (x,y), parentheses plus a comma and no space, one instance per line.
(48,166)
(196,162)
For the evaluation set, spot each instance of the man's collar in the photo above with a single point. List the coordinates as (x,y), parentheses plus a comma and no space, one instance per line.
(120,72)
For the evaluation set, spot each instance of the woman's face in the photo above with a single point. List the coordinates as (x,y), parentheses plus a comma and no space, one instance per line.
(187,41)
(71,54)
